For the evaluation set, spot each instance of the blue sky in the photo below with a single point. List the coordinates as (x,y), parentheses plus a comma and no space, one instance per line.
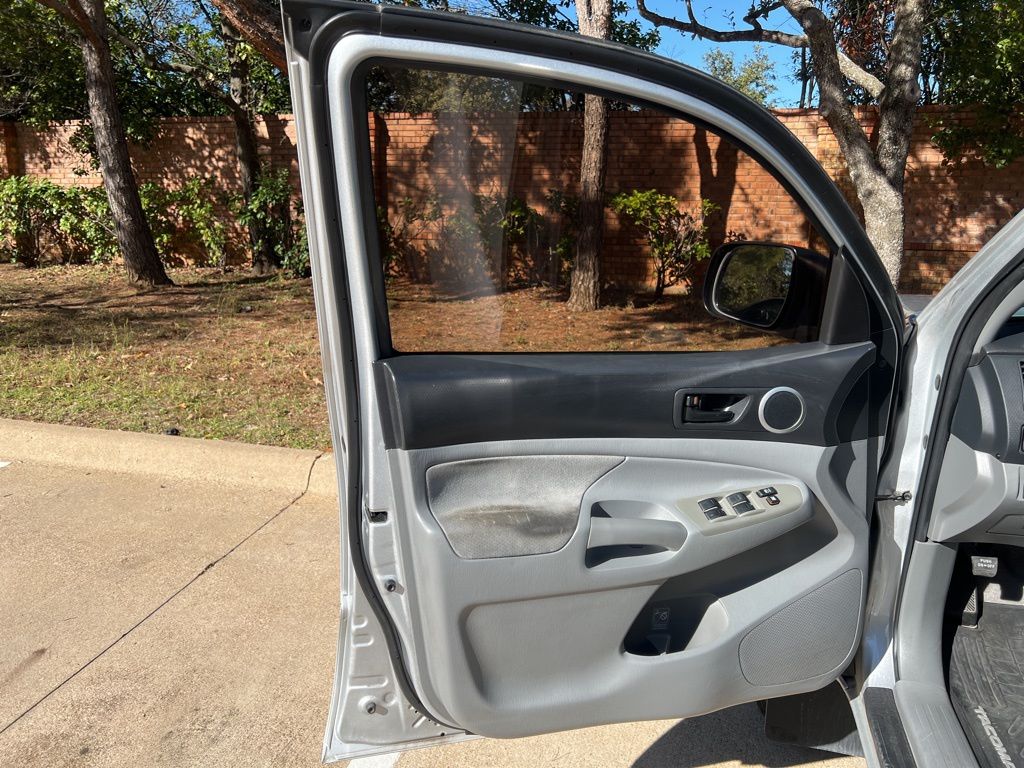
(680,47)
(717,14)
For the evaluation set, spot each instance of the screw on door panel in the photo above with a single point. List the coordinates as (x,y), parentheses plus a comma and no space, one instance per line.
(372,705)
(390,585)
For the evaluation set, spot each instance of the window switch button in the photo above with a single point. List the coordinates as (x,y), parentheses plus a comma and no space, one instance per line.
(736,498)
(769,491)
(746,506)
(714,514)
(706,504)
(772,500)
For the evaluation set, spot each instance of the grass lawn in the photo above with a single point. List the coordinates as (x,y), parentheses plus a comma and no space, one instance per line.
(236,357)
(220,356)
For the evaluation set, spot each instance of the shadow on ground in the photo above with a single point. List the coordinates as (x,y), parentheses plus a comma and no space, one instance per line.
(735,734)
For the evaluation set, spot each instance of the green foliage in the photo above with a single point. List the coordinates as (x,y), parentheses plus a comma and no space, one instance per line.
(520,223)
(677,238)
(40,220)
(421,91)
(563,210)
(982,44)
(497,237)
(29,219)
(510,232)
(754,77)
(43,77)
(269,211)
(426,91)
(189,36)
(560,15)
(397,231)
(187,213)
(630,31)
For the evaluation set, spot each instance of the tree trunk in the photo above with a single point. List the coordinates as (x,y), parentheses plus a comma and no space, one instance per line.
(134,237)
(595,19)
(585,286)
(264,258)
(884,219)
(877,173)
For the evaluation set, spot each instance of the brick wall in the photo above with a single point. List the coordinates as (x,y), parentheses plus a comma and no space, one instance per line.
(529,155)
(951,210)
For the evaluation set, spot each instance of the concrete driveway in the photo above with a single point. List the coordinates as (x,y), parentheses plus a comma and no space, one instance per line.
(172,602)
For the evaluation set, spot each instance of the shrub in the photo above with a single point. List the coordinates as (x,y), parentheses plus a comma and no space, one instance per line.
(677,238)
(483,242)
(38,218)
(23,220)
(561,236)
(269,212)
(186,214)
(398,228)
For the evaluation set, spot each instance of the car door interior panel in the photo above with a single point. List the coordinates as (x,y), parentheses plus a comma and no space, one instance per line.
(681,611)
(540,541)
(448,399)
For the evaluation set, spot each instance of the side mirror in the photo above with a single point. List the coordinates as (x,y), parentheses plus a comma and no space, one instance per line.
(771,286)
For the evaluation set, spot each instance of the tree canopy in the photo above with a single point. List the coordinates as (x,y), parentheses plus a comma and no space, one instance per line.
(42,78)
(981,48)
(754,76)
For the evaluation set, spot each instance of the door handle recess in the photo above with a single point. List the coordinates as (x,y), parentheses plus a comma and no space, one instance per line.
(711,407)
(636,532)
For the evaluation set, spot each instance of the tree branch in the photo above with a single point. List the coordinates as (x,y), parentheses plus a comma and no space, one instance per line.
(694,27)
(259,22)
(835,107)
(757,34)
(204,77)
(857,75)
(73,13)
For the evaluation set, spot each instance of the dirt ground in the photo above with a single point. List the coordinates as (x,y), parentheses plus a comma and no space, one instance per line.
(538,320)
(236,357)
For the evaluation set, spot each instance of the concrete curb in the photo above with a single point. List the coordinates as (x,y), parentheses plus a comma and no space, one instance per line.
(182,458)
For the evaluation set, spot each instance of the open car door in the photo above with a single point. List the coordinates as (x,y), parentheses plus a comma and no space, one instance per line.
(611,528)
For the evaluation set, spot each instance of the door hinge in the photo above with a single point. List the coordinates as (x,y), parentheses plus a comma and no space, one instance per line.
(903,496)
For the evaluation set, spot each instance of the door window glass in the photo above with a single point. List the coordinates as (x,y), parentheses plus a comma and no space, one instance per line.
(483,220)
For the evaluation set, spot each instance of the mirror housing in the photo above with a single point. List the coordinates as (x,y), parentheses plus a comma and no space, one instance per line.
(769,286)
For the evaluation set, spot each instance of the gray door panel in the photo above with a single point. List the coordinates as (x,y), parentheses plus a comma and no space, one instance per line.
(515,645)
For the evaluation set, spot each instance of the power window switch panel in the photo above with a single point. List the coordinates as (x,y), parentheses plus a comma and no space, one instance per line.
(706,504)
(714,514)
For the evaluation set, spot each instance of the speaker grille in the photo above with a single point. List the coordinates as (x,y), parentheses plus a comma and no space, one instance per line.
(808,638)
(781,410)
